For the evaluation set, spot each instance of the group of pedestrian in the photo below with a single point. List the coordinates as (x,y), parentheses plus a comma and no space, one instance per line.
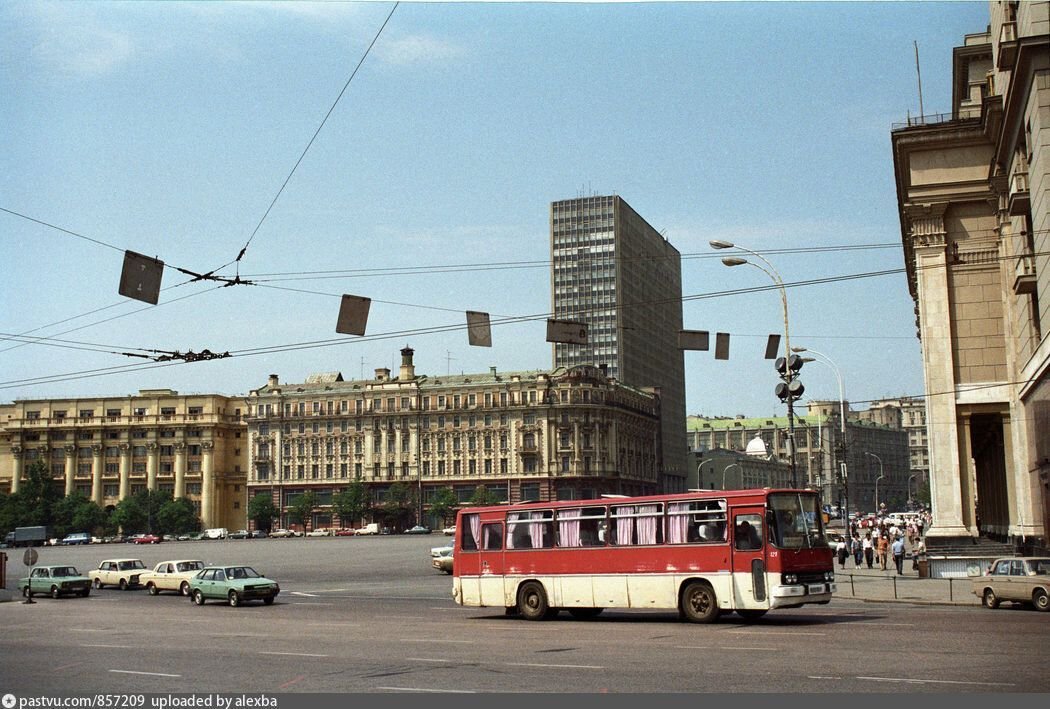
(883,543)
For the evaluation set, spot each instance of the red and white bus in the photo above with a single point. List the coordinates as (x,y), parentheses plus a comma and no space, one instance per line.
(703,553)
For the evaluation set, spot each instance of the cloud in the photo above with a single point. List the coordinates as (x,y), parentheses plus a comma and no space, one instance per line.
(85,49)
(416,49)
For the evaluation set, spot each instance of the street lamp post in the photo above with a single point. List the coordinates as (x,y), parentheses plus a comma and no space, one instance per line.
(788,374)
(700,480)
(731,465)
(911,501)
(881,476)
(842,422)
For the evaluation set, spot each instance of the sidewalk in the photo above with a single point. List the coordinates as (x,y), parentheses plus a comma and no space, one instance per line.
(877,585)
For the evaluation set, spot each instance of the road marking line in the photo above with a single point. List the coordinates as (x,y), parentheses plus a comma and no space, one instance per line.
(290,682)
(309,603)
(423,640)
(737,647)
(120,647)
(428,689)
(425,659)
(86,630)
(759,632)
(566,667)
(693,647)
(819,677)
(301,593)
(294,654)
(937,681)
(66,667)
(151,674)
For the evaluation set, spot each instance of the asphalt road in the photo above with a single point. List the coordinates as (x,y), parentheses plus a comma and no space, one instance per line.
(366,615)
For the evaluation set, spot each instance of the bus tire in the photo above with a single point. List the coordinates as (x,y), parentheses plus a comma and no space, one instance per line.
(699,603)
(751,614)
(585,613)
(532,601)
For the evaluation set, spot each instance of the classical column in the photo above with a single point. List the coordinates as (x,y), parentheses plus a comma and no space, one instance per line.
(96,474)
(16,472)
(125,468)
(151,466)
(180,469)
(934,304)
(71,464)
(207,482)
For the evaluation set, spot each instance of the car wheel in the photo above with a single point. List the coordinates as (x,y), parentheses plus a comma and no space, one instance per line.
(235,600)
(123,584)
(26,592)
(54,592)
(97,583)
(1040,600)
(268,600)
(184,589)
(989,599)
(699,603)
(198,597)
(532,601)
(152,588)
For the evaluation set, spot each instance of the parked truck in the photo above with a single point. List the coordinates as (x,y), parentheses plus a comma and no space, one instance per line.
(28,537)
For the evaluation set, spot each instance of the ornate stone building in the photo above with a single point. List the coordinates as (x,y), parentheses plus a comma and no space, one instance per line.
(540,435)
(973,189)
(110,447)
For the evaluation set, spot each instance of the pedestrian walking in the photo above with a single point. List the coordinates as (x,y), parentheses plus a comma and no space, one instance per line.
(840,549)
(882,550)
(858,550)
(869,549)
(898,554)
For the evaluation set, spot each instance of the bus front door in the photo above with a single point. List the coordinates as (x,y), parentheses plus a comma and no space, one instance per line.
(490,580)
(749,558)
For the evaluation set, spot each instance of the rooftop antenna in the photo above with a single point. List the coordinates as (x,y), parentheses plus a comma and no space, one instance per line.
(362,368)
(448,363)
(918,73)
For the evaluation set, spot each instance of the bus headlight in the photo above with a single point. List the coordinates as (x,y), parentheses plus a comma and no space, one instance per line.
(790,579)
(829,575)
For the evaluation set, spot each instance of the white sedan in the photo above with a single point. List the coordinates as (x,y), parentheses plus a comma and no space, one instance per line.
(171,576)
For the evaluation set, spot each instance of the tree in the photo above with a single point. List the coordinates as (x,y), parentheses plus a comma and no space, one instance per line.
(130,516)
(444,504)
(302,510)
(177,517)
(89,517)
(398,508)
(76,513)
(37,495)
(482,497)
(263,512)
(351,504)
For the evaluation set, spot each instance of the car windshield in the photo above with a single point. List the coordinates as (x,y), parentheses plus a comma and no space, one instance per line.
(795,521)
(126,565)
(190,565)
(241,572)
(64,571)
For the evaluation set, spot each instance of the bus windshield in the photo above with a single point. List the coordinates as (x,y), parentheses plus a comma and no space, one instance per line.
(796,522)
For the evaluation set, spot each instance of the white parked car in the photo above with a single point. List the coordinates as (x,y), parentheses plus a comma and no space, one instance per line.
(321,532)
(282,533)
(123,573)
(449,531)
(171,576)
(216,533)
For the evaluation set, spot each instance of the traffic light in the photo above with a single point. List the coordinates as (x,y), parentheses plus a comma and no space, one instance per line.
(791,388)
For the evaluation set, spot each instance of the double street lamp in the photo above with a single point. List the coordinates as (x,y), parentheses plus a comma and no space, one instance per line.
(731,465)
(788,373)
(824,359)
(881,476)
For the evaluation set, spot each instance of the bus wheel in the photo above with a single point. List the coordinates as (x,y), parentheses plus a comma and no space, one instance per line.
(532,601)
(585,613)
(750,614)
(699,604)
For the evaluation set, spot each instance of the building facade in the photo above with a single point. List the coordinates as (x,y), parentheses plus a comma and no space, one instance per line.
(721,469)
(562,434)
(909,414)
(616,273)
(876,456)
(111,447)
(973,190)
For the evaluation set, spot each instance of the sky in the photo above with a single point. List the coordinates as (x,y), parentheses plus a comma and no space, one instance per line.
(418,172)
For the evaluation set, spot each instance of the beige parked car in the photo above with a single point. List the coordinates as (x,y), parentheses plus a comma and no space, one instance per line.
(1019,579)
(123,573)
(172,576)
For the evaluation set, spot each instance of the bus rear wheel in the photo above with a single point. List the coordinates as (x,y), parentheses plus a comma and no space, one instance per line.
(699,603)
(532,601)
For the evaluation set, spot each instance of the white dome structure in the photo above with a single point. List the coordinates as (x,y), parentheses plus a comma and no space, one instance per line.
(757,446)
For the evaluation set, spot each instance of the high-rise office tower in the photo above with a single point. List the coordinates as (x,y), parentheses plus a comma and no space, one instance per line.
(615,272)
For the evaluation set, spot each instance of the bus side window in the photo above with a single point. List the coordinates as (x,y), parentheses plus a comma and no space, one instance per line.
(492,534)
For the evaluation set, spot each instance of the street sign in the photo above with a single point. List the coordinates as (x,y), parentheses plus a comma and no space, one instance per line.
(140,277)
(353,315)
(567,331)
(479,332)
(30,557)
(694,340)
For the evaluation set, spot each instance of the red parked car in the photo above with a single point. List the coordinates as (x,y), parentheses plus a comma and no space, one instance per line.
(148,539)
